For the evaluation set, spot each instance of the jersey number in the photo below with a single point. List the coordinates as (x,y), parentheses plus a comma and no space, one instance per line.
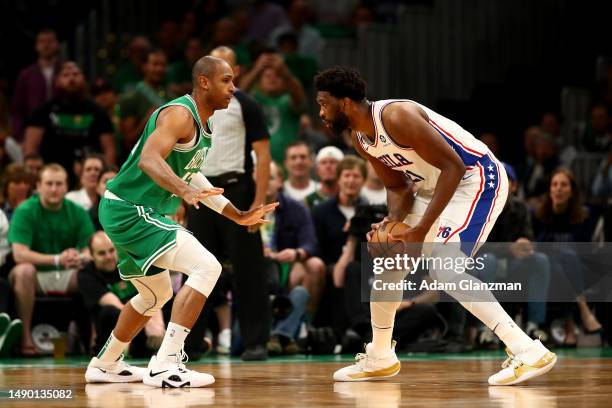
(413,176)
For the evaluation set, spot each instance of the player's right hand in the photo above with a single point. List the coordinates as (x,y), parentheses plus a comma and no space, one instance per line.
(376,226)
(193,196)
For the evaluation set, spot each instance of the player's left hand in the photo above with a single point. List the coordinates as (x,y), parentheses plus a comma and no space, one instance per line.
(256,215)
(254,227)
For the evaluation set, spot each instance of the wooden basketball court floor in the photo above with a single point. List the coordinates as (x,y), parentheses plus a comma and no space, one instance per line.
(582,378)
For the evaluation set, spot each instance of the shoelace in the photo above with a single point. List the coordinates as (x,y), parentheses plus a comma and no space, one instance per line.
(512,361)
(181,359)
(361,359)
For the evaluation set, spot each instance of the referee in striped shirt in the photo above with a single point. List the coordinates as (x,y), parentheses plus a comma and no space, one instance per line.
(236,131)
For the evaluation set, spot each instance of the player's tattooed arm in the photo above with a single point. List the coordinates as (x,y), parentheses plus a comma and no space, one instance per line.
(407,124)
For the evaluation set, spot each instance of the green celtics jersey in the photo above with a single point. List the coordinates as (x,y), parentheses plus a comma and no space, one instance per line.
(136,187)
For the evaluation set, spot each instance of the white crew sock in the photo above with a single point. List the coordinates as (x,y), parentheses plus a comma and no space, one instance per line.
(383,317)
(173,341)
(112,349)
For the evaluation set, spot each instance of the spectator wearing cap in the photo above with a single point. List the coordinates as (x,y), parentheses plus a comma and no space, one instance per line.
(373,191)
(327,160)
(299,163)
(525,264)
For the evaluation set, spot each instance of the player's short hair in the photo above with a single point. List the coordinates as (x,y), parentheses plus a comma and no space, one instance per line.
(341,82)
(55,167)
(350,162)
(205,66)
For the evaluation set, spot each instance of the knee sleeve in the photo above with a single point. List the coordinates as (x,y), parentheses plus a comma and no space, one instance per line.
(192,259)
(153,293)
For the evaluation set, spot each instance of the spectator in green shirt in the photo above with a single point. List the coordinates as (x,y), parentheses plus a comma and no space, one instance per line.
(179,74)
(281,96)
(136,106)
(49,236)
(129,74)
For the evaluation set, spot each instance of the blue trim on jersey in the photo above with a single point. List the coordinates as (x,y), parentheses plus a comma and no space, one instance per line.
(469,159)
(470,235)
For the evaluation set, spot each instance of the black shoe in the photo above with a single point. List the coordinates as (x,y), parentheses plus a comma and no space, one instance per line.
(255,353)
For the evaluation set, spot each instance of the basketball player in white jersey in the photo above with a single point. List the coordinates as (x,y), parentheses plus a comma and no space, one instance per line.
(461,189)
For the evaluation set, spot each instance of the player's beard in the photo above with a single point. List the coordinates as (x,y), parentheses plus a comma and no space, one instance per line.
(340,123)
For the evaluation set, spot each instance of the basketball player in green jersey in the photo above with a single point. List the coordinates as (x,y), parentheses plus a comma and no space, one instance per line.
(163,168)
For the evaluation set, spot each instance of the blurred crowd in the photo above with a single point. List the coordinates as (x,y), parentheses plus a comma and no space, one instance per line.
(63,136)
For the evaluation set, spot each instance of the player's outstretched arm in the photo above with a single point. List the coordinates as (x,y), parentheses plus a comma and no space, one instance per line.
(251,217)
(173,124)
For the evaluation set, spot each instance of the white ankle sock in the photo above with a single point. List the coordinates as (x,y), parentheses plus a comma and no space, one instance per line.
(383,317)
(173,341)
(112,349)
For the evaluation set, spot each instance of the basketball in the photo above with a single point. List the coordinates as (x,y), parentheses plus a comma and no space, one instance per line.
(381,244)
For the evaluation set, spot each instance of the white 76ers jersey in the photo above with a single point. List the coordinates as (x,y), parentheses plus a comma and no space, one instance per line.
(404,159)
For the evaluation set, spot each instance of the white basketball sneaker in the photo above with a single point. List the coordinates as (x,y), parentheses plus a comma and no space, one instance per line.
(115,372)
(534,361)
(369,368)
(174,374)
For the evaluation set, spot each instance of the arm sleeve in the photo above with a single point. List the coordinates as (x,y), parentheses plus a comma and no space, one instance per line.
(254,120)
(307,238)
(216,203)
(20,229)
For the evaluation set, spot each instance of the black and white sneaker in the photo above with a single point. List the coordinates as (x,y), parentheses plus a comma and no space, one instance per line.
(174,374)
(116,372)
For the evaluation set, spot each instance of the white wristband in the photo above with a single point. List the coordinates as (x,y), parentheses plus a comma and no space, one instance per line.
(217,202)
(56,260)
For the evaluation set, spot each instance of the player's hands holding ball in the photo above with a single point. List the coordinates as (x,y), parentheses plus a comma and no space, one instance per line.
(388,238)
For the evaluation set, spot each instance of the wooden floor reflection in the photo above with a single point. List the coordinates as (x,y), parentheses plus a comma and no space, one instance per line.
(573,383)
